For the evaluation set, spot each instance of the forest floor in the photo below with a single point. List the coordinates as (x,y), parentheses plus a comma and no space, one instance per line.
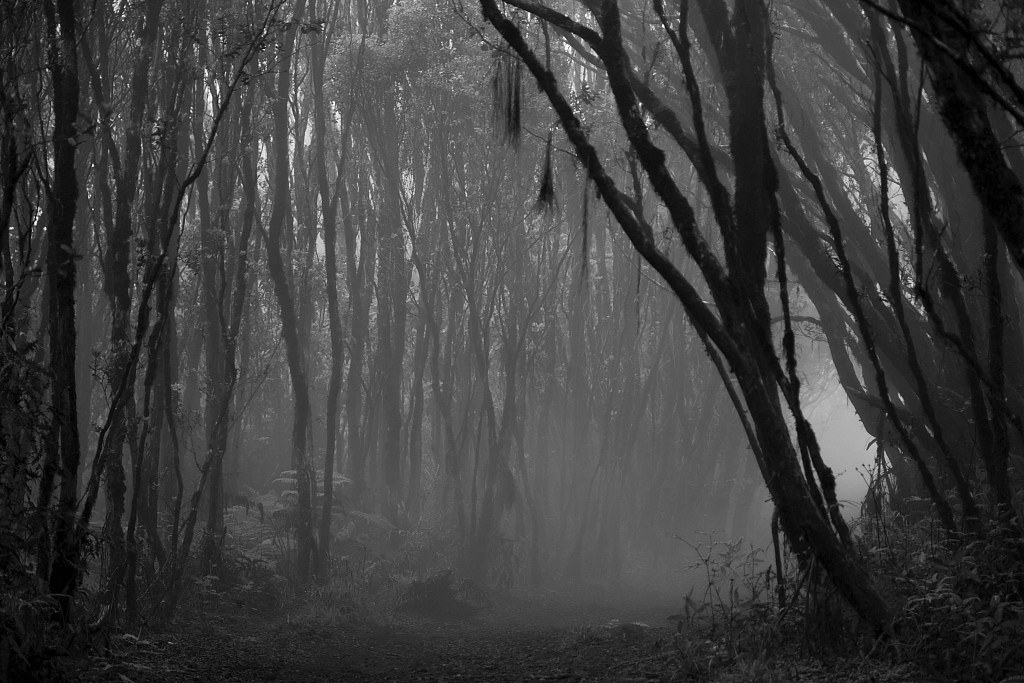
(522,635)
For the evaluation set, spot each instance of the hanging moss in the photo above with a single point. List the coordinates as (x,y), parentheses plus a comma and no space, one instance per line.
(506,91)
(546,200)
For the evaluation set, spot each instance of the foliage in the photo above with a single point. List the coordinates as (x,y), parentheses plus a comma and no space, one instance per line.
(962,615)
(735,592)
(24,421)
(963,599)
(443,595)
(728,612)
(733,625)
(33,646)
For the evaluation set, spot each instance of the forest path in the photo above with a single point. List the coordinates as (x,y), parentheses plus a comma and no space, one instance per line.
(535,635)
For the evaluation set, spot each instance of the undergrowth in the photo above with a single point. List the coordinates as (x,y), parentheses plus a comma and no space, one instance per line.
(35,645)
(960,604)
(962,600)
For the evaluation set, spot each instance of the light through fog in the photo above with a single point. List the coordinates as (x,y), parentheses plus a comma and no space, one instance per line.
(372,315)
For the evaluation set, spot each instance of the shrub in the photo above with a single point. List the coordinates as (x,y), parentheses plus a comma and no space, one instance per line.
(964,606)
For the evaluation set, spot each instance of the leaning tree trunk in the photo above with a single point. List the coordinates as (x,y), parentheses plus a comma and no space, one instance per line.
(740,329)
(945,46)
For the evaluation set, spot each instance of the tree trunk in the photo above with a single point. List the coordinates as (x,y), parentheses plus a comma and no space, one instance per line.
(414,494)
(738,293)
(60,274)
(964,109)
(281,220)
(329,211)
(360,253)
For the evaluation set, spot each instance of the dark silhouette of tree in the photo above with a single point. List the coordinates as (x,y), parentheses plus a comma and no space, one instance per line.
(746,217)
(281,221)
(64,453)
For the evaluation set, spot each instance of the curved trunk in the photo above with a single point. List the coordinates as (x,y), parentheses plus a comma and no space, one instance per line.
(740,332)
(280,219)
(328,207)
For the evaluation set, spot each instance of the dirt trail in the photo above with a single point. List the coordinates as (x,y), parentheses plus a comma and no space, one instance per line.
(539,635)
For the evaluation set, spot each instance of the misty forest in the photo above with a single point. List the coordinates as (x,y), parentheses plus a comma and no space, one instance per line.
(605,340)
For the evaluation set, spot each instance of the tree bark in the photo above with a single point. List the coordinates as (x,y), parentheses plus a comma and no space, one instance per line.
(965,110)
(741,302)
(329,214)
(280,220)
(62,53)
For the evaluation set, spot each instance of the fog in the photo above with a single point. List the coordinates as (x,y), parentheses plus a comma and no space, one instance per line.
(847,448)
(371,296)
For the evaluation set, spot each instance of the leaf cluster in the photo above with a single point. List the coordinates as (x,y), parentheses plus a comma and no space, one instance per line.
(964,607)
